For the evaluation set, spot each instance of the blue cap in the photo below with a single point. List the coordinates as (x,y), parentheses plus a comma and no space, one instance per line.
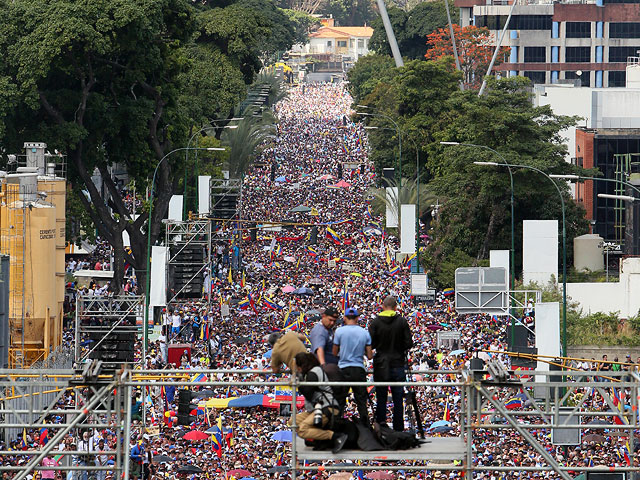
(351,312)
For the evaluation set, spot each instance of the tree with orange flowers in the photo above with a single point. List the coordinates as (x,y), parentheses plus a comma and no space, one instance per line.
(475,47)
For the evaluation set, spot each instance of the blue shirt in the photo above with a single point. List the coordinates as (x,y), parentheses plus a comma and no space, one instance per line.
(321,337)
(352,340)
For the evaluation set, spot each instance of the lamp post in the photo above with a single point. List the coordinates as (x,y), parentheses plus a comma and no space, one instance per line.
(398,132)
(417,196)
(512,262)
(186,153)
(564,243)
(148,282)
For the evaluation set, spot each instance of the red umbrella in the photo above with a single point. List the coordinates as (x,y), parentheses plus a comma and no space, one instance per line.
(195,435)
(238,473)
(341,184)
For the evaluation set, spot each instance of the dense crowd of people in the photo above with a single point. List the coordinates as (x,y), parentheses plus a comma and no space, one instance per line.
(288,283)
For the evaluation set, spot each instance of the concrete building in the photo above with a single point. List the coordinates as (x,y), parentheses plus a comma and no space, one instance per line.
(350,42)
(553,40)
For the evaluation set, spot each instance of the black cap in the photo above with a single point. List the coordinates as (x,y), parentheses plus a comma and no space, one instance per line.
(331,312)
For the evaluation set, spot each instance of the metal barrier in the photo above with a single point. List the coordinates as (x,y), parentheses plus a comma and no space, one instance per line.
(550,402)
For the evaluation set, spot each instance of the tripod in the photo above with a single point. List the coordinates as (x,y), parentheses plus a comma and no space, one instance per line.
(412,404)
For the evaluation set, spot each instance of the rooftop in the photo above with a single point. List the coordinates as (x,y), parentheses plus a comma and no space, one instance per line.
(333,32)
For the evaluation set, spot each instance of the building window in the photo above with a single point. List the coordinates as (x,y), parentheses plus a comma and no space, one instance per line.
(535,54)
(342,44)
(577,54)
(329,43)
(536,77)
(624,30)
(518,22)
(578,30)
(620,1)
(620,54)
(361,42)
(585,78)
(617,79)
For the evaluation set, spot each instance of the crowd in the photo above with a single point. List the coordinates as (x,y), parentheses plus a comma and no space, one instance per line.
(350,266)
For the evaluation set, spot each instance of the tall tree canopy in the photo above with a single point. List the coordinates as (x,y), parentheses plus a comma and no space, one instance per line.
(126,81)
(424,100)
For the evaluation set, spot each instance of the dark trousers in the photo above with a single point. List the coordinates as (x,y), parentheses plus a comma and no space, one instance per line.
(397,374)
(360,394)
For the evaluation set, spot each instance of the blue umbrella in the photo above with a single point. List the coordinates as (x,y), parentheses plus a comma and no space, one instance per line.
(440,423)
(267,354)
(457,352)
(281,179)
(303,291)
(282,436)
(247,478)
(442,429)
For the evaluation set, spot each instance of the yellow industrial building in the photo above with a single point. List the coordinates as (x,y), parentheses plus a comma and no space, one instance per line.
(32,234)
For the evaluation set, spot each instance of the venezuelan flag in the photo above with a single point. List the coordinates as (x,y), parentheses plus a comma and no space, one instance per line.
(272,305)
(312,251)
(394,270)
(333,236)
(244,304)
(448,291)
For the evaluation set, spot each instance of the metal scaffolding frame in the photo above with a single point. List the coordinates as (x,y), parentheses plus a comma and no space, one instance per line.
(103,401)
(111,311)
(181,237)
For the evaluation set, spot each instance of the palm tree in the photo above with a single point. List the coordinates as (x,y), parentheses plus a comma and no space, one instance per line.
(245,141)
(407,195)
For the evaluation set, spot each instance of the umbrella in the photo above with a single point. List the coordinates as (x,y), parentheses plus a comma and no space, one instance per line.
(313,312)
(326,176)
(278,469)
(289,259)
(435,328)
(288,288)
(282,436)
(162,459)
(371,231)
(241,340)
(594,437)
(281,179)
(340,184)
(204,394)
(380,475)
(195,435)
(442,429)
(356,274)
(315,281)
(303,291)
(300,209)
(598,422)
(457,352)
(440,423)
(190,469)
(267,354)
(340,476)
(238,473)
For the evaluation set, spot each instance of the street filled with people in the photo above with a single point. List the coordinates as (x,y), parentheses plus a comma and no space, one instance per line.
(306,281)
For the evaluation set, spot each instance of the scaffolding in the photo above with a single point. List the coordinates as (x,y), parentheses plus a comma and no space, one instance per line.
(553,402)
(100,317)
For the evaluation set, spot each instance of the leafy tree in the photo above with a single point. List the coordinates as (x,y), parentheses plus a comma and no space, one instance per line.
(349,12)
(474,47)
(304,25)
(126,81)
(411,28)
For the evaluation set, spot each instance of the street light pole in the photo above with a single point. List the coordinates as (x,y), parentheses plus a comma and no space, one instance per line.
(564,244)
(512,255)
(398,132)
(145,326)
(186,154)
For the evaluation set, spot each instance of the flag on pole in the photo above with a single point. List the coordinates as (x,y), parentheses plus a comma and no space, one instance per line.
(230,277)
(447,413)
(333,236)
(243,280)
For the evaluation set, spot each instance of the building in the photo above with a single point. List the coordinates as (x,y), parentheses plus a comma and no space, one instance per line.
(32,234)
(615,152)
(350,42)
(552,40)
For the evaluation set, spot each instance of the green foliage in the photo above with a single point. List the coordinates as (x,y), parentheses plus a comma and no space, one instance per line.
(367,73)
(79,225)
(349,13)
(304,24)
(411,28)
(442,274)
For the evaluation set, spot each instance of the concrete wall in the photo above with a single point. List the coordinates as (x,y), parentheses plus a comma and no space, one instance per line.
(622,296)
(539,251)
(595,351)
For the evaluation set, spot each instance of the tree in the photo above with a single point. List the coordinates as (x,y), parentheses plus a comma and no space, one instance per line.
(304,24)
(475,213)
(411,28)
(349,12)
(475,47)
(125,81)
(367,73)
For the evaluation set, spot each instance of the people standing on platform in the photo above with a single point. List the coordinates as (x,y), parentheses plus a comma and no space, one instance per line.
(391,339)
(284,349)
(351,343)
(321,337)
